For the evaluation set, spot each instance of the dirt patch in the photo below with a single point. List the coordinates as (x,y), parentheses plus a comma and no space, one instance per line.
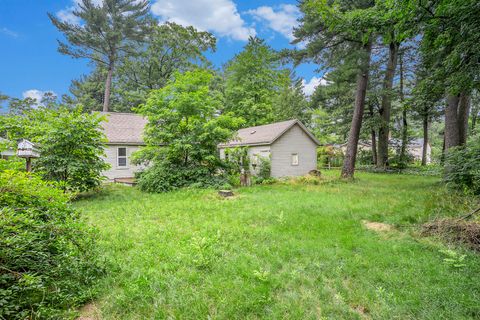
(89,312)
(455,230)
(377,226)
(361,310)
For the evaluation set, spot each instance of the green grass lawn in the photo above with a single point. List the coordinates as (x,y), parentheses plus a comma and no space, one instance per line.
(279,252)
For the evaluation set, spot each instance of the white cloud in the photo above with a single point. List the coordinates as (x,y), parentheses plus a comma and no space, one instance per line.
(309,87)
(36,95)
(218,16)
(281,19)
(8,32)
(66,15)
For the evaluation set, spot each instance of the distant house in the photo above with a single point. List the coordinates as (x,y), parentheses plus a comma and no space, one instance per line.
(291,147)
(414,147)
(5,151)
(124,134)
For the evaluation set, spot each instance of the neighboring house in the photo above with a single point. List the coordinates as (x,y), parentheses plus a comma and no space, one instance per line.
(292,149)
(5,152)
(124,134)
(414,147)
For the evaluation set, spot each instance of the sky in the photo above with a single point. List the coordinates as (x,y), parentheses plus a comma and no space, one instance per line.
(31,65)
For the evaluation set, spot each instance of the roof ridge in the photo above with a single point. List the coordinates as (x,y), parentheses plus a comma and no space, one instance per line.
(269,124)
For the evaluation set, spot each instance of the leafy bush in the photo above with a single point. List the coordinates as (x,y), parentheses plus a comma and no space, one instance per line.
(72,146)
(462,167)
(264,168)
(182,150)
(163,177)
(48,261)
(329,156)
(70,142)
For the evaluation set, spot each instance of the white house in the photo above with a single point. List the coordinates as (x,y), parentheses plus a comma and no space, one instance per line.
(291,147)
(5,150)
(124,134)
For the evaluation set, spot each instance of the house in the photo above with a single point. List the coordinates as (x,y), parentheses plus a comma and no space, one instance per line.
(6,151)
(124,136)
(414,147)
(291,147)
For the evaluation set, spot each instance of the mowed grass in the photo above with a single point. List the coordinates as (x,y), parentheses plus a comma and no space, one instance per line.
(279,252)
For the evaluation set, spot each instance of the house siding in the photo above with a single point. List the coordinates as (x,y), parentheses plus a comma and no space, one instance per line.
(295,140)
(122,172)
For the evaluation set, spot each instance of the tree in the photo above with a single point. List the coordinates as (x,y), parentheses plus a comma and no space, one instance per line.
(327,27)
(107,32)
(71,146)
(21,106)
(451,49)
(168,48)
(89,91)
(183,132)
(290,102)
(253,79)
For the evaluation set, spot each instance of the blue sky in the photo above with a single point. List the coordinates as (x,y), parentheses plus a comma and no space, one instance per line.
(30,63)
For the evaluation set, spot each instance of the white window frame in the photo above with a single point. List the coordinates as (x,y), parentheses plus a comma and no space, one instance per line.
(122,157)
(295,159)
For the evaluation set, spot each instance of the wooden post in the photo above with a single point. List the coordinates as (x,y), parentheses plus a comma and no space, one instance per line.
(28,165)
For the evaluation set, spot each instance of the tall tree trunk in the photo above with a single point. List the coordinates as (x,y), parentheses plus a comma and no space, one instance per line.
(348,169)
(373,135)
(463,114)
(108,88)
(386,105)
(452,138)
(425,137)
(403,149)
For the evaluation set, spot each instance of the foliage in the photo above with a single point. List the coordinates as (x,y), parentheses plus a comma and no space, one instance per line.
(264,168)
(237,159)
(274,250)
(183,131)
(48,257)
(71,145)
(462,167)
(253,79)
(168,48)
(106,32)
(329,156)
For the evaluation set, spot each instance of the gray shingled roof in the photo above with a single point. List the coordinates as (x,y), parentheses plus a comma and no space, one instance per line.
(124,128)
(264,135)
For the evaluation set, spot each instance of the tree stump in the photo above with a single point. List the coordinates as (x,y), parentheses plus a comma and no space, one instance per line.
(225,193)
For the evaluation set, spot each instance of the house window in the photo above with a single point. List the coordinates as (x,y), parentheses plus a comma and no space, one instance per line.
(294,159)
(122,157)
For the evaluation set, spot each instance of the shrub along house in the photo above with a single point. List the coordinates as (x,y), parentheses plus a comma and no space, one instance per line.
(290,146)
(124,134)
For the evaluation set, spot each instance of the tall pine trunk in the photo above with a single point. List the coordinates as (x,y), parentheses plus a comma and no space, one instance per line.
(463,114)
(452,134)
(386,106)
(108,88)
(425,136)
(403,149)
(373,135)
(348,169)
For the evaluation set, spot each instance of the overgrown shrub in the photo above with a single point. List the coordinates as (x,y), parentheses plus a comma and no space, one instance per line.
(163,177)
(462,167)
(48,260)
(182,151)
(264,168)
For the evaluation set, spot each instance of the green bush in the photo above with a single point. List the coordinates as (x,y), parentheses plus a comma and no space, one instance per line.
(48,261)
(462,167)
(164,177)
(264,168)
